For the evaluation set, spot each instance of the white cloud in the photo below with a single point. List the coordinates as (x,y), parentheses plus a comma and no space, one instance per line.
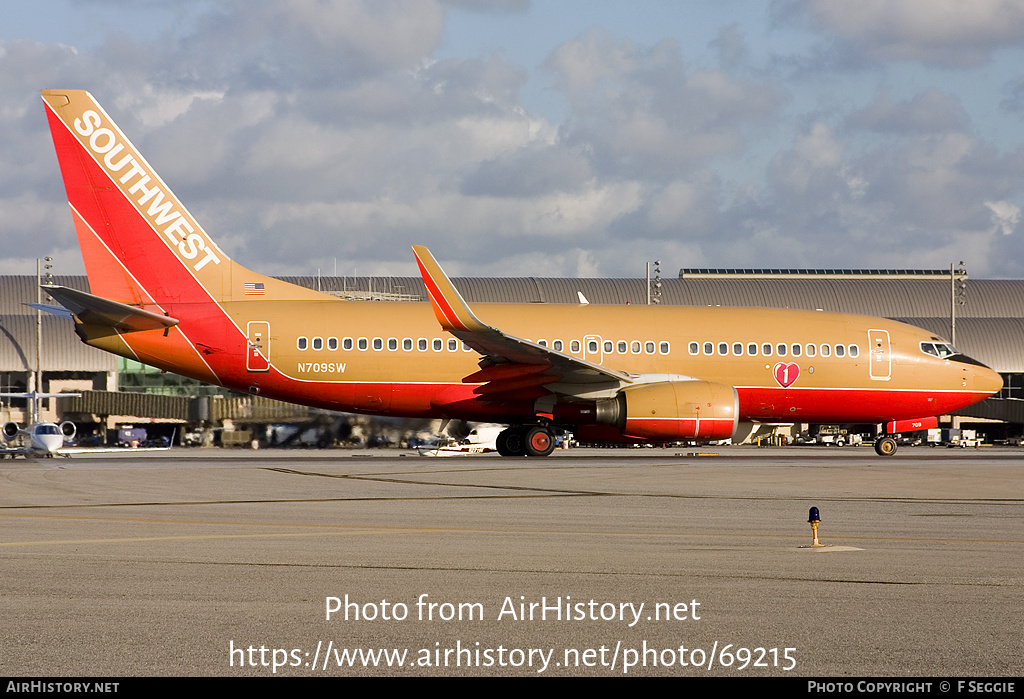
(819,148)
(931,111)
(943,32)
(305,130)
(154,107)
(1005,216)
(644,114)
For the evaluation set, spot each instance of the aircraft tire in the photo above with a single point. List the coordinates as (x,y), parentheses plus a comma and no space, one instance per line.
(511,442)
(499,443)
(885,446)
(539,441)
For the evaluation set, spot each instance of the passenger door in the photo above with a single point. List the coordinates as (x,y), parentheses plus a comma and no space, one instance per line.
(880,363)
(258,356)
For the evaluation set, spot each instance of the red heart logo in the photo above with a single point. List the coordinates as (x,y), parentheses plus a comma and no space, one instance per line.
(786,373)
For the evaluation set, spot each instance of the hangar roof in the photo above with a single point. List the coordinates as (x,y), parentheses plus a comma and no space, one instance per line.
(888,298)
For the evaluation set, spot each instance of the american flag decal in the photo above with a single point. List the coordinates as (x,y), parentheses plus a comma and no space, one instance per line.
(254,289)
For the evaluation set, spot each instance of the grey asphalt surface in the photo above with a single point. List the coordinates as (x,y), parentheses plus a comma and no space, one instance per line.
(211,562)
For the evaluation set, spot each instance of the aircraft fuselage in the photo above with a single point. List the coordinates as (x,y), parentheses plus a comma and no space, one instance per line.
(392,358)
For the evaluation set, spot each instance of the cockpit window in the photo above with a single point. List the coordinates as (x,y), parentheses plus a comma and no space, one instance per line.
(938,349)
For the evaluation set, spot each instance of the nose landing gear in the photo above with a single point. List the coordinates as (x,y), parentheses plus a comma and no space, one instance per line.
(885,445)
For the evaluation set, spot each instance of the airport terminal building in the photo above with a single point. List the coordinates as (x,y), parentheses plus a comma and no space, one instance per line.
(985,315)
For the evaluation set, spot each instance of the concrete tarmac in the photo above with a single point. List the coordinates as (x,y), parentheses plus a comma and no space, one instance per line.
(204,562)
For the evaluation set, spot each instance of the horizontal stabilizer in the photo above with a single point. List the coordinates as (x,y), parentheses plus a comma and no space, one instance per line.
(59,311)
(95,310)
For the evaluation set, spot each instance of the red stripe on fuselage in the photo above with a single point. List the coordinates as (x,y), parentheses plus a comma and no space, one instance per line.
(458,401)
(847,405)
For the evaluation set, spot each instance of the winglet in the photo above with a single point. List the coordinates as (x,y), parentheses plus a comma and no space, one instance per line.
(451,309)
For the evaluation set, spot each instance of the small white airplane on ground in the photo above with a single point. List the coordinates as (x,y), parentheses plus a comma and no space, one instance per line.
(40,438)
(46,439)
(43,439)
(465,439)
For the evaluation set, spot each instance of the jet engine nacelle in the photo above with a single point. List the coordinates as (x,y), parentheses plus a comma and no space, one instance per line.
(10,430)
(67,428)
(459,429)
(668,411)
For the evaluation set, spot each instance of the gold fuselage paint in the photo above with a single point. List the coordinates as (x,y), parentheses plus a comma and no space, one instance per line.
(914,383)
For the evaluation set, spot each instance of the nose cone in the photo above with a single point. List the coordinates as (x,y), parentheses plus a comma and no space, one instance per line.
(987,380)
(977,377)
(48,443)
(52,442)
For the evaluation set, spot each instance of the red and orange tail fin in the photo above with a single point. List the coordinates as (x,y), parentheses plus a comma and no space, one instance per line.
(140,245)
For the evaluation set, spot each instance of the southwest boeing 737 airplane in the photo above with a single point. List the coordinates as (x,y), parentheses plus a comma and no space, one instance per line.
(164,294)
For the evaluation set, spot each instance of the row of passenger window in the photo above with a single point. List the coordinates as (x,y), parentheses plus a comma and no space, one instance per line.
(438,345)
(722,349)
(612,347)
(378,343)
(767,349)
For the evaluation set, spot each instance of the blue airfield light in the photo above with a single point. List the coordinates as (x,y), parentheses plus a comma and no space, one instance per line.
(814,518)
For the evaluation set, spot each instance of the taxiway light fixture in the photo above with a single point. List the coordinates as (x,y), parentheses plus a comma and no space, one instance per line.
(814,518)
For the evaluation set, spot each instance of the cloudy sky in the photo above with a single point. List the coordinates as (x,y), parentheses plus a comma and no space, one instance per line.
(540,137)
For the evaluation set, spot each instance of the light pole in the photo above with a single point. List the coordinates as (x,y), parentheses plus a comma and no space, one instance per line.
(655,295)
(957,295)
(37,379)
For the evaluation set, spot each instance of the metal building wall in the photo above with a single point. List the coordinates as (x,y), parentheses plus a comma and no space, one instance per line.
(17,290)
(62,350)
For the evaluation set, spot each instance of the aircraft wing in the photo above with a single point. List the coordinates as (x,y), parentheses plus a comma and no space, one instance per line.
(96,310)
(498,348)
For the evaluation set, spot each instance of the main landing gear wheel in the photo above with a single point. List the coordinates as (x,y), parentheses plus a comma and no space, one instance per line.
(539,441)
(885,446)
(525,440)
(510,442)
